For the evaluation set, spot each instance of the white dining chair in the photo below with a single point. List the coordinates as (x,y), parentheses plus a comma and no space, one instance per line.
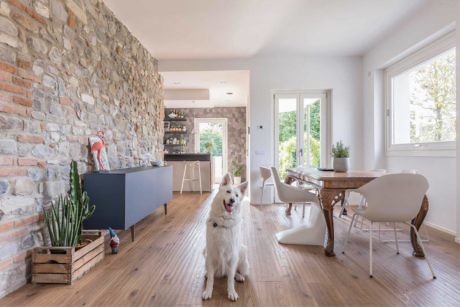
(312,233)
(394,198)
(266,175)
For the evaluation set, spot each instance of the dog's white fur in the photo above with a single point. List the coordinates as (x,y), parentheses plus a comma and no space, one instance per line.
(225,254)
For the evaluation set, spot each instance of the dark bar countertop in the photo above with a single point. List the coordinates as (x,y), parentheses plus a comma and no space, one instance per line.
(188,157)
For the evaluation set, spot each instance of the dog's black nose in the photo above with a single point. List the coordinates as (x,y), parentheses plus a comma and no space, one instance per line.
(232,200)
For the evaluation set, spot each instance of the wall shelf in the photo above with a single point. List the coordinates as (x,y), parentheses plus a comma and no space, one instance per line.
(175,120)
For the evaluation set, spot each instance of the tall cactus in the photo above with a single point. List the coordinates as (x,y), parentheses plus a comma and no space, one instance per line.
(65,217)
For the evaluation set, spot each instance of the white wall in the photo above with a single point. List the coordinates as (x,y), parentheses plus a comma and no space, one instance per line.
(435,19)
(457,239)
(341,74)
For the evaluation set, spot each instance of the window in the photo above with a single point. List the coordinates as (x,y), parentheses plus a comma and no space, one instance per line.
(421,101)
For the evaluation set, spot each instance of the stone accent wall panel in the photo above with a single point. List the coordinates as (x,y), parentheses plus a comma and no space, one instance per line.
(68,68)
(236,117)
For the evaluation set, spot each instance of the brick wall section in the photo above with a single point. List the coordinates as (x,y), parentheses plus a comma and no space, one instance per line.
(67,69)
(236,121)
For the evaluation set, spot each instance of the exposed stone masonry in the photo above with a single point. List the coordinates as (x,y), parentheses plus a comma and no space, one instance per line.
(67,69)
(236,134)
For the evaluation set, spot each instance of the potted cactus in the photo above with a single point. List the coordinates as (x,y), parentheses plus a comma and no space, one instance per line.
(73,251)
(64,218)
(341,155)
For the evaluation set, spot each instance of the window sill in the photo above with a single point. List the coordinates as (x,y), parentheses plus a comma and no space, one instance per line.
(421,153)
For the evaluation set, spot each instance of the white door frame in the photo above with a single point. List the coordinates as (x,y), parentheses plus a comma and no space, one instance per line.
(325,122)
(224,122)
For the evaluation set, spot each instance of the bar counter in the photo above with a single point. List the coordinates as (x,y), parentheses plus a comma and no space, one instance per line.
(178,162)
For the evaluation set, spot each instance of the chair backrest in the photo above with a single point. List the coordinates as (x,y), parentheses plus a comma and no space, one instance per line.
(265,173)
(394,197)
(282,193)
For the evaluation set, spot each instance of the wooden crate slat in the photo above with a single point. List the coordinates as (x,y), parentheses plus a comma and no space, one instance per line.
(98,240)
(51,278)
(50,258)
(79,262)
(87,266)
(53,268)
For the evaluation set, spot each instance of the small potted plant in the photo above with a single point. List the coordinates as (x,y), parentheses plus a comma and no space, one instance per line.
(341,156)
(237,172)
(73,251)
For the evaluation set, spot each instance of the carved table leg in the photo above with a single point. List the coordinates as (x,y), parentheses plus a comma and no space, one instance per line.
(328,199)
(417,222)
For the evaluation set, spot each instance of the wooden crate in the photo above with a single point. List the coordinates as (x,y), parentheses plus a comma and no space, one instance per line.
(67,264)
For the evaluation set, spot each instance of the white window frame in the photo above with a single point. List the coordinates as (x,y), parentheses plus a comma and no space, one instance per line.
(325,121)
(418,149)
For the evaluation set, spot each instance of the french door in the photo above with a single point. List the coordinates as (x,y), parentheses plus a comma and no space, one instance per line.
(211,137)
(302,120)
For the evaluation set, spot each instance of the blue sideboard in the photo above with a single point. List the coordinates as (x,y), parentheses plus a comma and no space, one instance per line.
(124,197)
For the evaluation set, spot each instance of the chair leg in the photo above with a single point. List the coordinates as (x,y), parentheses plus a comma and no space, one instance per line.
(419,240)
(370,249)
(262,192)
(199,174)
(303,210)
(396,238)
(348,233)
(183,178)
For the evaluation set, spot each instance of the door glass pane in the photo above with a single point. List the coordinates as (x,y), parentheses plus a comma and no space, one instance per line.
(311,131)
(211,141)
(287,134)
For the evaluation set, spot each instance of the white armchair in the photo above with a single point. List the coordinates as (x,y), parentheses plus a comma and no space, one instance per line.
(394,198)
(311,233)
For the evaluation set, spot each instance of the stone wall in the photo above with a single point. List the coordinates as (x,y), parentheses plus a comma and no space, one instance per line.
(236,117)
(67,69)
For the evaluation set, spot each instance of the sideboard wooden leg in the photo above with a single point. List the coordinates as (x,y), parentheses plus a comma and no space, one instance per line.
(132,233)
(166,208)
(417,222)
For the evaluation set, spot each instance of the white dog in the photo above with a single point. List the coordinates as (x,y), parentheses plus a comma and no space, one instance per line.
(224,253)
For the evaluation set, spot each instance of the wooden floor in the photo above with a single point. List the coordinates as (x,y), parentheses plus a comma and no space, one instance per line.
(165,267)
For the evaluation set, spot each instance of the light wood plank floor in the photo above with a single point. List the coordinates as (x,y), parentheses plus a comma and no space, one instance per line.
(165,267)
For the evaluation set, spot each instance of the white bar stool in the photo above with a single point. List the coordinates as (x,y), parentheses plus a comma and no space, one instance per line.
(192,166)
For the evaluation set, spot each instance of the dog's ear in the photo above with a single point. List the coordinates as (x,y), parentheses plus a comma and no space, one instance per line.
(226,180)
(243,187)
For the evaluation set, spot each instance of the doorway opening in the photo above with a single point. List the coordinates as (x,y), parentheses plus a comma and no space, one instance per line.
(302,129)
(211,137)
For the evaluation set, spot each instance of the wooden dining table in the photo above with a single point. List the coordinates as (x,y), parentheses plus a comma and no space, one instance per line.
(331,188)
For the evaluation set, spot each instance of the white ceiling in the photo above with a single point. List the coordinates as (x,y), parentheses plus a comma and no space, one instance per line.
(190,29)
(219,83)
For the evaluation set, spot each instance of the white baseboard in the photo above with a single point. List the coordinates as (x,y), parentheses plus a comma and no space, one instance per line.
(447,232)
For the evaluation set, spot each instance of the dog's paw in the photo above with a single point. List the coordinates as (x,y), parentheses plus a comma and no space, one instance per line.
(239,277)
(207,294)
(232,295)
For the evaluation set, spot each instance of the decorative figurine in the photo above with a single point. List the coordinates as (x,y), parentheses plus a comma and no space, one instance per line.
(98,151)
(114,241)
